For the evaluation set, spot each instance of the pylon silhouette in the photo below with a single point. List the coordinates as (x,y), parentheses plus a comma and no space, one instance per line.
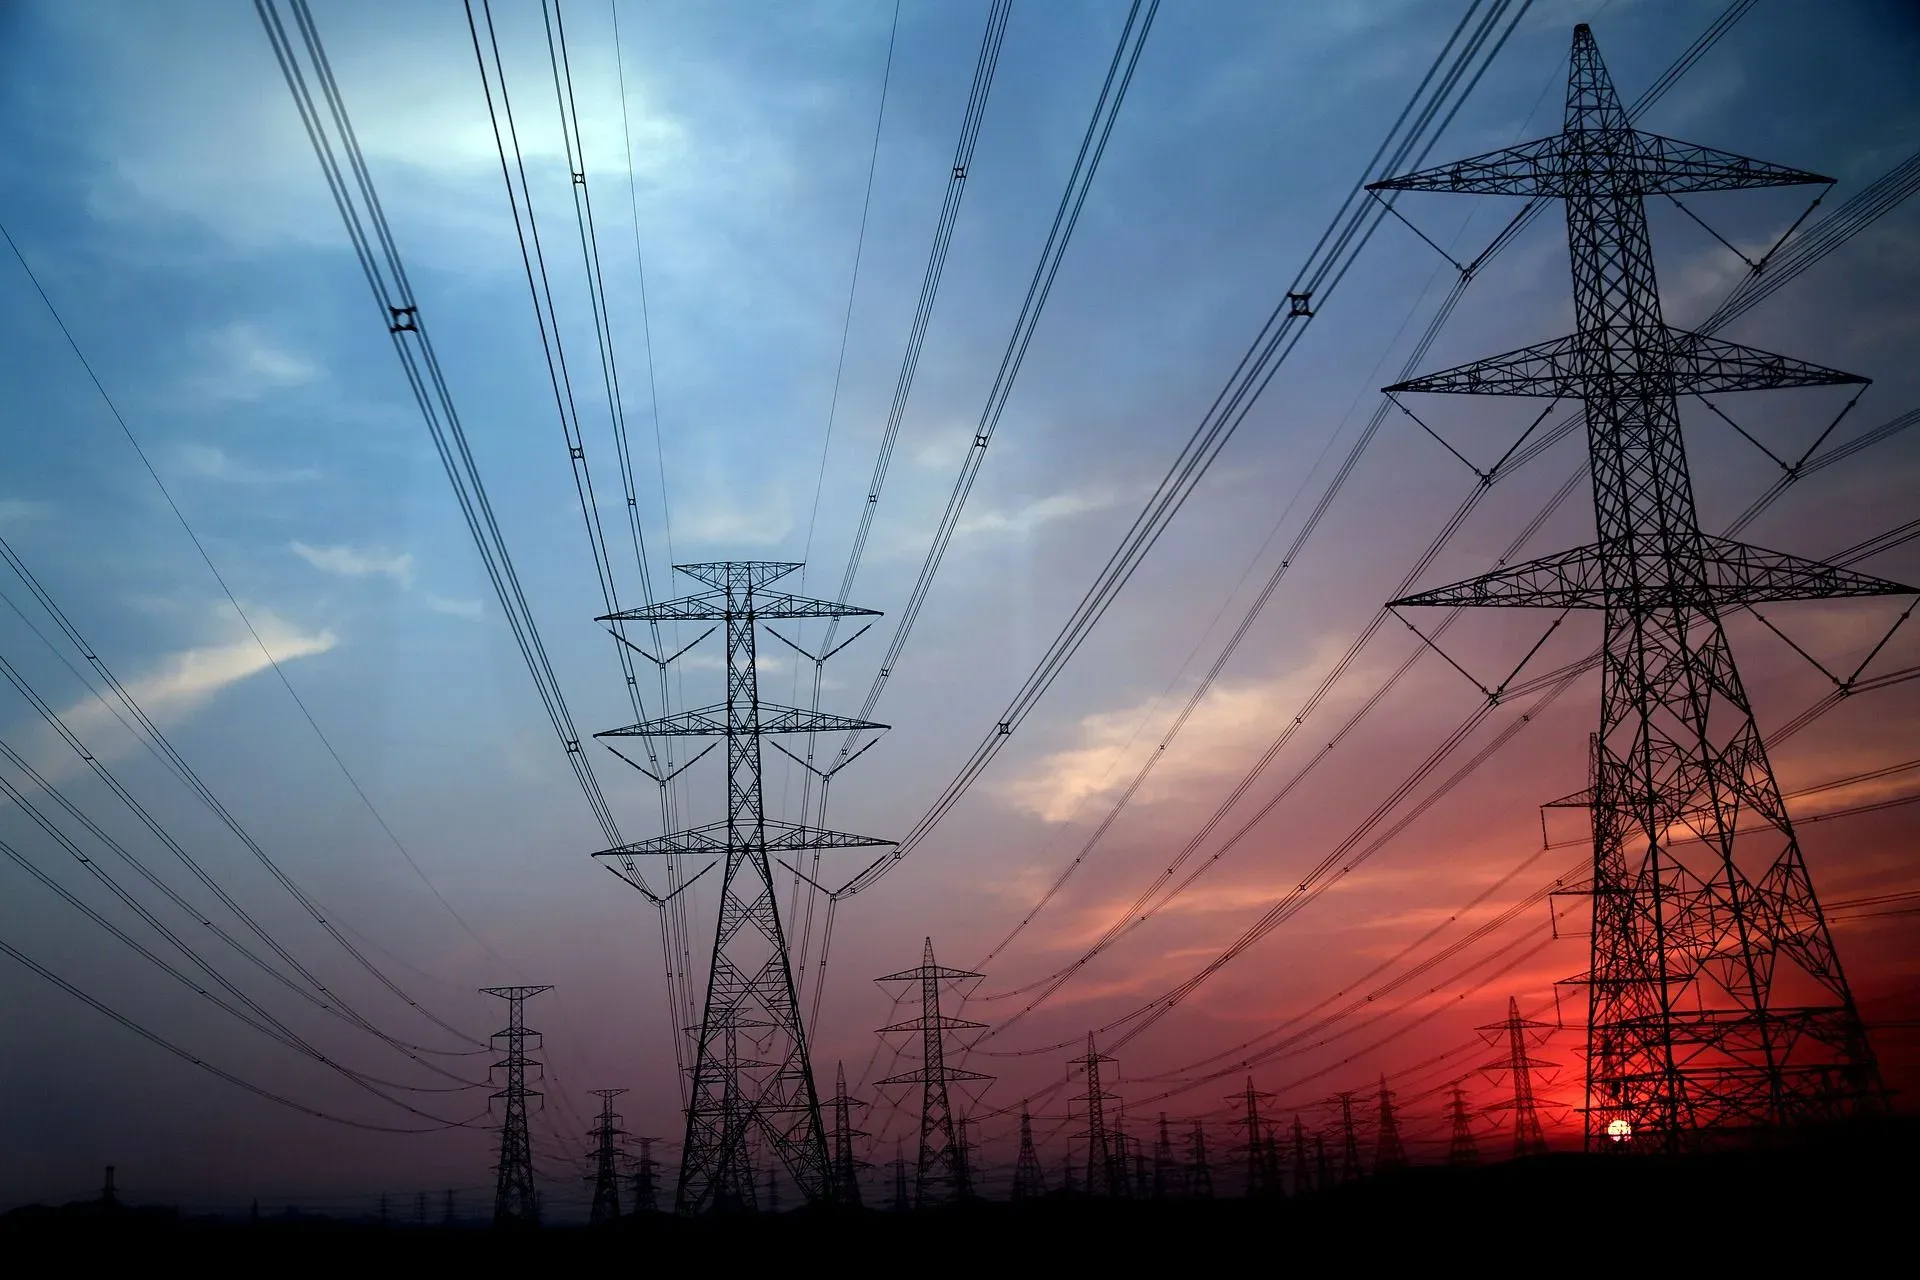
(1349,1139)
(1164,1170)
(1302,1175)
(1388,1152)
(606,1160)
(1528,1137)
(846,1169)
(1199,1171)
(646,1181)
(941,1171)
(737,1100)
(516,1201)
(1106,1167)
(1029,1178)
(1258,1183)
(1717,1000)
(1463,1150)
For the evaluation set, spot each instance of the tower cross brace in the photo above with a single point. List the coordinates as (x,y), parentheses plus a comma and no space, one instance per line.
(1716,997)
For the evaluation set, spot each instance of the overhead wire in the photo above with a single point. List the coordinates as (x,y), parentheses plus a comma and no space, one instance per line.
(1516,457)
(175,760)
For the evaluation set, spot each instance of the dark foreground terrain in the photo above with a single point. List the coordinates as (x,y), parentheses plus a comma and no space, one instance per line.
(1834,1201)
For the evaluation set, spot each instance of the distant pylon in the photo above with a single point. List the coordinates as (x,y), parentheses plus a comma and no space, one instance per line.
(1322,1162)
(846,1169)
(1029,1177)
(1165,1171)
(646,1180)
(940,1173)
(1528,1137)
(1349,1139)
(737,1100)
(900,1201)
(1106,1174)
(1199,1170)
(1066,1172)
(606,1160)
(516,1201)
(1463,1150)
(1388,1151)
(1270,1162)
(1716,998)
(1302,1174)
(1249,1098)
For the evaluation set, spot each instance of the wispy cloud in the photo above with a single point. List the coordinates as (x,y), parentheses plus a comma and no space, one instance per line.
(21,510)
(468,609)
(1023,521)
(209,462)
(239,363)
(352,562)
(179,684)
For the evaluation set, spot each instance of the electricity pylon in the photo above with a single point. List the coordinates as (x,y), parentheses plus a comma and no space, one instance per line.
(1165,1171)
(1462,1150)
(1302,1174)
(750,985)
(1199,1170)
(1388,1151)
(1528,1137)
(1106,1174)
(901,1203)
(606,1160)
(1322,1162)
(1029,1177)
(646,1184)
(1258,1183)
(516,1201)
(1717,1001)
(1349,1139)
(941,1170)
(846,1169)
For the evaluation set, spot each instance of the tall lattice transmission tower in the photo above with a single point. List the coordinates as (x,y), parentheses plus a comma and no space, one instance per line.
(1259,1167)
(606,1137)
(1519,1036)
(1462,1150)
(941,1172)
(1349,1138)
(1388,1151)
(516,1201)
(1302,1172)
(1199,1169)
(751,1005)
(1717,1000)
(1029,1175)
(846,1169)
(646,1180)
(1106,1167)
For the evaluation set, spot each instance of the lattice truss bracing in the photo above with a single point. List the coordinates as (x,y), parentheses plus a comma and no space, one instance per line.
(941,1174)
(1717,1000)
(753,1084)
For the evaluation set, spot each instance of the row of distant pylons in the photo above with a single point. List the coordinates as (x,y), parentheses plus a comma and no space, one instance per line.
(1717,1002)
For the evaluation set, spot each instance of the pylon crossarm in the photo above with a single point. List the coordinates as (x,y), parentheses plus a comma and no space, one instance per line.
(1567,580)
(1701,365)
(1668,166)
(1630,162)
(770,717)
(931,1022)
(919,1075)
(1530,169)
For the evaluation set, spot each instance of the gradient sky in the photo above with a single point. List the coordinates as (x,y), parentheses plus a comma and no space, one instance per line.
(154,174)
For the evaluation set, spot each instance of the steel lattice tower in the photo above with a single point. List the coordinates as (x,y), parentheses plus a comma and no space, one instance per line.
(1106,1172)
(516,1201)
(1388,1151)
(1029,1177)
(1528,1137)
(1349,1139)
(941,1169)
(750,987)
(900,1201)
(1302,1174)
(1199,1171)
(846,1169)
(646,1189)
(1164,1169)
(606,1137)
(1462,1150)
(1258,1183)
(1717,999)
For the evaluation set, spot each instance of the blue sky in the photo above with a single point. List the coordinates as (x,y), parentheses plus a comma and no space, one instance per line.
(154,175)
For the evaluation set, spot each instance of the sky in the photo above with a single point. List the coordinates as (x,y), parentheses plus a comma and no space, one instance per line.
(155,177)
